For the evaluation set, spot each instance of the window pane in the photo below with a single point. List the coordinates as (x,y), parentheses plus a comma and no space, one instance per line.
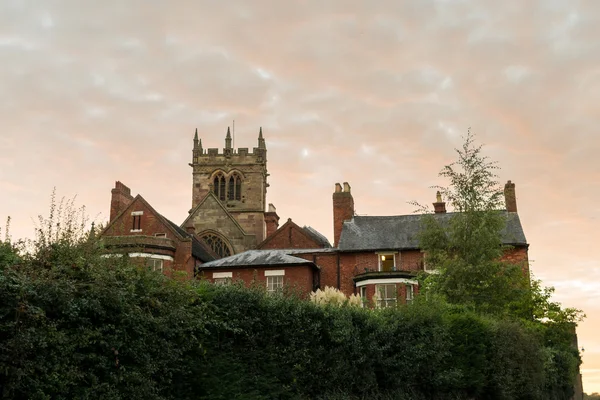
(274,284)
(386,262)
(217,245)
(222,281)
(409,293)
(238,188)
(222,188)
(155,265)
(387,295)
(231,186)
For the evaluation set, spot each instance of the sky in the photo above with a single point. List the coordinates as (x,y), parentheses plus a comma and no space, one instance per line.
(375,93)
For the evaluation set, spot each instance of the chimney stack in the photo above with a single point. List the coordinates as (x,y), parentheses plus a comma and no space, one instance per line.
(439,206)
(271,220)
(510,197)
(343,210)
(120,199)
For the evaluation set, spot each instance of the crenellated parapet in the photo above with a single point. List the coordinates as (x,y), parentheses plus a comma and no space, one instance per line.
(229,156)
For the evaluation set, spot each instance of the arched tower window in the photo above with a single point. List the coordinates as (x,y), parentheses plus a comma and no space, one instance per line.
(217,244)
(219,187)
(234,189)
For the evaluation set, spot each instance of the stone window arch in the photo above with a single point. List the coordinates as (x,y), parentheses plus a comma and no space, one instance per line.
(217,243)
(234,187)
(219,185)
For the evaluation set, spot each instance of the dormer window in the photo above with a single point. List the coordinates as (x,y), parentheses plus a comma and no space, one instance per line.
(387,262)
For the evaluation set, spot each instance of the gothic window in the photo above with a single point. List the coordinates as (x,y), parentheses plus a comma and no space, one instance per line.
(231,188)
(217,244)
(238,188)
(234,190)
(219,186)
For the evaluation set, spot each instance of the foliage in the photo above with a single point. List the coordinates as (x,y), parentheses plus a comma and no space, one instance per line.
(74,324)
(333,296)
(467,248)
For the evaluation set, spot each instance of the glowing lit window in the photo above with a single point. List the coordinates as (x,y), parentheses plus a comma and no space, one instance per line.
(387,262)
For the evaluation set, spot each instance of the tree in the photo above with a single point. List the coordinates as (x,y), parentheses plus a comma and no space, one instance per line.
(466,248)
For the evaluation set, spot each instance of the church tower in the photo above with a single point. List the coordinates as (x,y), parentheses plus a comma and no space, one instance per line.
(233,183)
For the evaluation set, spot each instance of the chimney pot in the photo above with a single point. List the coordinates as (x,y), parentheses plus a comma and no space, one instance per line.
(343,210)
(510,197)
(120,199)
(439,206)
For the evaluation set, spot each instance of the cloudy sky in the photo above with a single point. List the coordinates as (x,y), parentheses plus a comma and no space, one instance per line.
(375,93)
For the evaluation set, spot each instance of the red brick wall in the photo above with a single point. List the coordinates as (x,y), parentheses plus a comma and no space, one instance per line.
(352,264)
(517,255)
(411,260)
(151,224)
(271,222)
(290,236)
(400,289)
(299,277)
(343,210)
(120,199)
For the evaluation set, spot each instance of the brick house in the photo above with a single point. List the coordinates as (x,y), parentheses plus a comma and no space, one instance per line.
(371,254)
(138,230)
(229,234)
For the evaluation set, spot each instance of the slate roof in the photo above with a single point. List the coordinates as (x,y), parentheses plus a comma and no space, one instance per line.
(400,232)
(317,236)
(198,250)
(256,258)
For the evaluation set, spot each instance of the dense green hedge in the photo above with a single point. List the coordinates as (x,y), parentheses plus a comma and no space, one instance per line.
(74,325)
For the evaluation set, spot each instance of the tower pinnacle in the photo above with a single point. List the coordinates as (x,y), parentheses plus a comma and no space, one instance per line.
(228,139)
(261,140)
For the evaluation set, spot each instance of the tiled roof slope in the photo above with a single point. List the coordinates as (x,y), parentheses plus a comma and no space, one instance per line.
(198,250)
(401,231)
(317,236)
(257,258)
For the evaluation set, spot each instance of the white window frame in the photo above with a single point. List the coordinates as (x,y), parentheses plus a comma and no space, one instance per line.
(160,235)
(149,255)
(137,214)
(387,301)
(362,291)
(394,254)
(410,293)
(425,268)
(155,264)
(274,280)
(222,278)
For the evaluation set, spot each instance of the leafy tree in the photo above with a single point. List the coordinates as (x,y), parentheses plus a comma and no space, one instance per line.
(466,248)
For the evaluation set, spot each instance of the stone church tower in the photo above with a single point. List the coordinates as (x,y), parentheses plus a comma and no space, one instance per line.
(229,192)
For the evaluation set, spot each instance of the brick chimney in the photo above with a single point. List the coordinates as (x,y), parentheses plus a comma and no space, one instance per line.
(510,197)
(343,210)
(271,219)
(439,206)
(120,199)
